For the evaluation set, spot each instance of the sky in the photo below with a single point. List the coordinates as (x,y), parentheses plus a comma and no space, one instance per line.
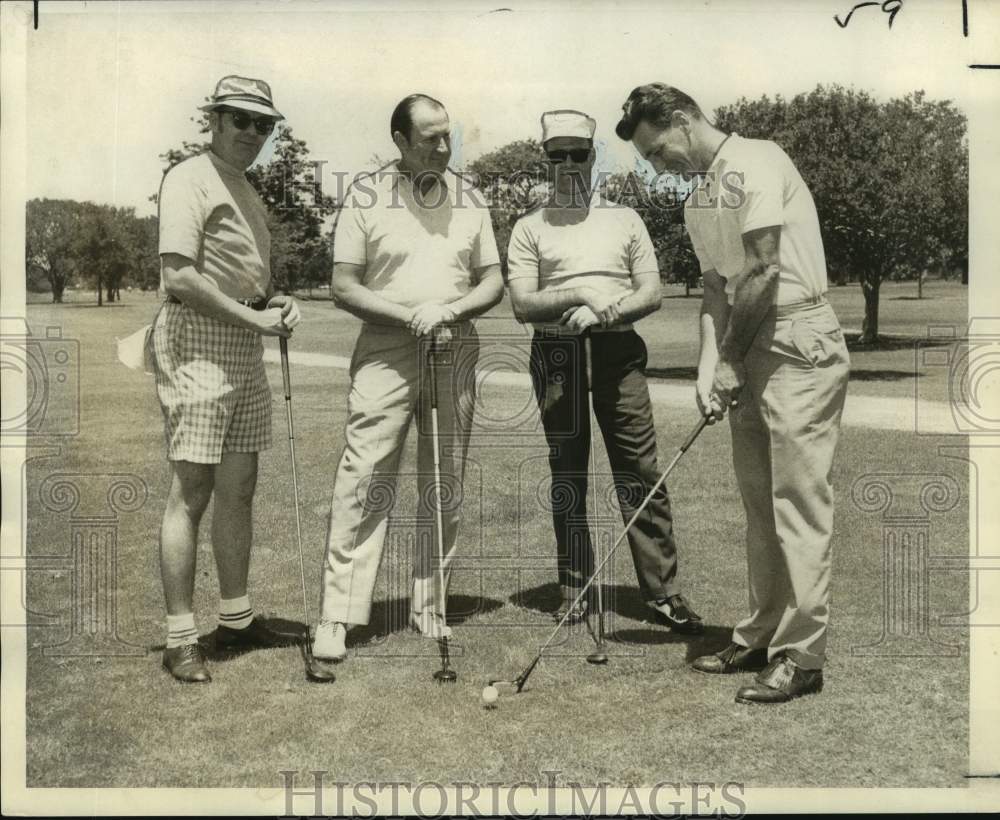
(113,85)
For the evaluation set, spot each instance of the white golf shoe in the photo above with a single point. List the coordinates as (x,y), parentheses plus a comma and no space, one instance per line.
(328,643)
(430,625)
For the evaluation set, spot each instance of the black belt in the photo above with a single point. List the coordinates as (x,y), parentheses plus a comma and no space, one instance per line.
(256,303)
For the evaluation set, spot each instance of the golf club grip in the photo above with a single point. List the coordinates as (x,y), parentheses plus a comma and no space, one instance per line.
(702,423)
(285,377)
(589,359)
(431,365)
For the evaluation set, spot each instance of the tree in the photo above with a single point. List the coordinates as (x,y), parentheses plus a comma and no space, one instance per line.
(50,230)
(103,247)
(890,180)
(512,180)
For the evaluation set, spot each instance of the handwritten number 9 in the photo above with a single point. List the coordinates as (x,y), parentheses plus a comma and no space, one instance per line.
(890,7)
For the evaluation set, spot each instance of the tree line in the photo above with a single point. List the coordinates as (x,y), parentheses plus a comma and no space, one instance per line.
(890,180)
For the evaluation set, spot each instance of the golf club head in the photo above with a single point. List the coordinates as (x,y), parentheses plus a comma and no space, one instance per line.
(317,671)
(513,686)
(598,657)
(446,676)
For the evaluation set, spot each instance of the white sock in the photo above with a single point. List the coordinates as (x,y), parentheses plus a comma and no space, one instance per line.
(236,613)
(181,630)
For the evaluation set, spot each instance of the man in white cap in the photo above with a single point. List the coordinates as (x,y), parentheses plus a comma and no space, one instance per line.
(416,259)
(768,336)
(214,252)
(579,266)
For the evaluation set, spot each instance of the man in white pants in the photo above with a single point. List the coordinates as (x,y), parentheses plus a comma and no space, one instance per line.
(768,336)
(416,259)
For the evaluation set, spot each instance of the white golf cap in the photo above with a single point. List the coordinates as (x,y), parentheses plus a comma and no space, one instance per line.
(567,123)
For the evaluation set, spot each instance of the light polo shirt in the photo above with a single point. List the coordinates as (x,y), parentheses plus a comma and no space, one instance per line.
(415,250)
(210,213)
(604,249)
(753,184)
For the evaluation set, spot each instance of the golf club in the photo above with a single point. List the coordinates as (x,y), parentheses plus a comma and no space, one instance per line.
(445,674)
(518,682)
(315,670)
(599,656)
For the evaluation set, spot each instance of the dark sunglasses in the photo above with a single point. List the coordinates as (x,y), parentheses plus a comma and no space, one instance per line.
(577,155)
(242,121)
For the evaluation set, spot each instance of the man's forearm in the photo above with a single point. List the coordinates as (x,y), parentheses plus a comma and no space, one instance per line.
(191,288)
(641,302)
(487,293)
(359,301)
(545,306)
(754,296)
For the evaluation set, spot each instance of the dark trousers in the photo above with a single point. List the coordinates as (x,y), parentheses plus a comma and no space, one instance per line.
(625,416)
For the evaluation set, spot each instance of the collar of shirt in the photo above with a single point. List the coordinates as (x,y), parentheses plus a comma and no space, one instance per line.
(224,167)
(399,176)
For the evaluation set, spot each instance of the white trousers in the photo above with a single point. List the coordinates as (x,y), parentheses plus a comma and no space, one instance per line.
(390,386)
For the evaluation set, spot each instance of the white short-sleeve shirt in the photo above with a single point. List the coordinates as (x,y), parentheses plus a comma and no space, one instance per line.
(753,184)
(604,249)
(210,213)
(415,250)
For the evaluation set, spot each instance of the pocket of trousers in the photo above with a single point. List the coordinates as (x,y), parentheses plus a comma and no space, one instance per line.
(820,347)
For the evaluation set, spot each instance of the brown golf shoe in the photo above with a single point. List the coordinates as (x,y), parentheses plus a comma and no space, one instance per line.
(781,681)
(186,664)
(734,658)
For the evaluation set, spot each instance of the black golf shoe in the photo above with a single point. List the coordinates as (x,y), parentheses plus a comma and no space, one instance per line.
(255,636)
(578,612)
(186,663)
(734,658)
(675,612)
(781,681)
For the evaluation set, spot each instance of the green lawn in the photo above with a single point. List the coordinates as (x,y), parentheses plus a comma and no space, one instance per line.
(896,721)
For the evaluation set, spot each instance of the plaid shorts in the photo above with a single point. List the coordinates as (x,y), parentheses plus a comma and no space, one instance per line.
(211,384)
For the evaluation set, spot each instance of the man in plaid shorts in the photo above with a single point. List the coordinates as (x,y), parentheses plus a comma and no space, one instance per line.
(207,350)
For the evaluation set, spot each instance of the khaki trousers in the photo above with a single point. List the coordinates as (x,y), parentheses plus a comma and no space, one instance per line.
(389,387)
(785,431)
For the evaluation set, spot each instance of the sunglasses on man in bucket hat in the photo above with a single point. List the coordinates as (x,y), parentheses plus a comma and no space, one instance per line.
(239,95)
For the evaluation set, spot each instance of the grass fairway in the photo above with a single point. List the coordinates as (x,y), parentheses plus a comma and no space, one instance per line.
(900,720)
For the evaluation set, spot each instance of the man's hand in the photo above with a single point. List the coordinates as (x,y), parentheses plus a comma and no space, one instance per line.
(428,316)
(708,403)
(270,322)
(289,309)
(578,319)
(727,383)
(604,307)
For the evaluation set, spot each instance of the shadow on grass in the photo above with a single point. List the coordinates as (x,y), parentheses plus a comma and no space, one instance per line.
(868,375)
(391,616)
(625,602)
(894,342)
(75,305)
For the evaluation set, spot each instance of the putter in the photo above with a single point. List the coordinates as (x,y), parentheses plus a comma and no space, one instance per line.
(518,682)
(599,656)
(316,671)
(445,674)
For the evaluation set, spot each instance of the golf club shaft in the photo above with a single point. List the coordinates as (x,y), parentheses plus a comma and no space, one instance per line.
(286,378)
(592,478)
(438,517)
(702,422)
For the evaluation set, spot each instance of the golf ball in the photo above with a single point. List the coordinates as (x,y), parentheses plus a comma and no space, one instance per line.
(490,696)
